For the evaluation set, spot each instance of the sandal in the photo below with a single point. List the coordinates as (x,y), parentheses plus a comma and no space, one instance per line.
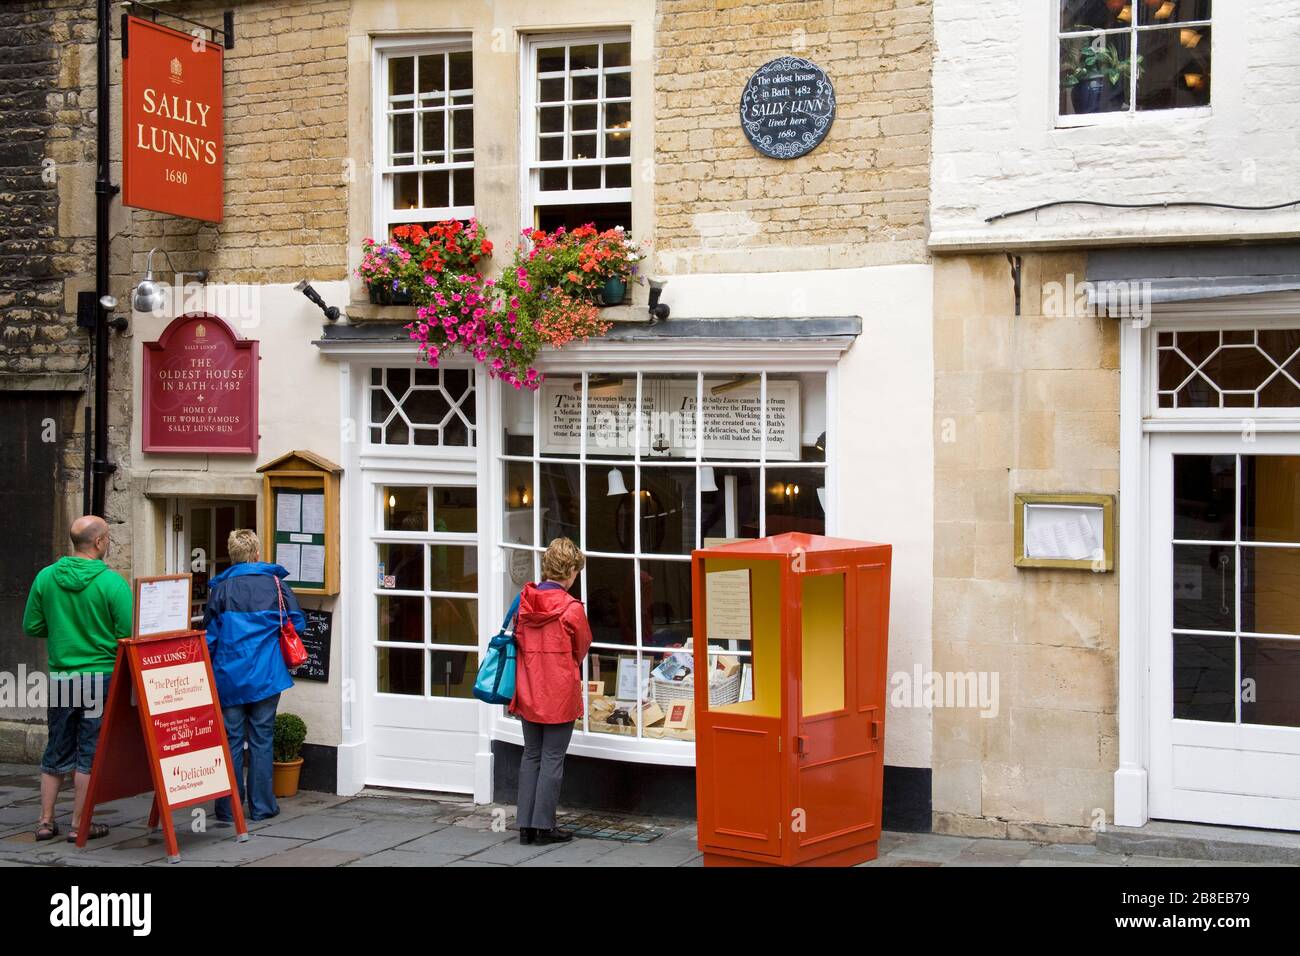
(46,830)
(96,831)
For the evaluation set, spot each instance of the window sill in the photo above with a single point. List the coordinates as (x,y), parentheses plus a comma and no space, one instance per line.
(361,312)
(1119,118)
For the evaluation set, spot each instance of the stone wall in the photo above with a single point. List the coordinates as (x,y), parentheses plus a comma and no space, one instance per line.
(1022,403)
(857,199)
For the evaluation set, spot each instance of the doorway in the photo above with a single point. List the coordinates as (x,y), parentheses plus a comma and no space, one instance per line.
(199,531)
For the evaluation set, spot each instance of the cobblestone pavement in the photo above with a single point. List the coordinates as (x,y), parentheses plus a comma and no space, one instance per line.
(384,829)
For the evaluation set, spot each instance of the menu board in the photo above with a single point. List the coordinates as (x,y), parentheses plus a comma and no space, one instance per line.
(299,536)
(670,413)
(727,605)
(162,605)
(316,639)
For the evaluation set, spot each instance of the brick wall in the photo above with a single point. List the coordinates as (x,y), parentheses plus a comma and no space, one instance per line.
(1026,403)
(287,174)
(866,183)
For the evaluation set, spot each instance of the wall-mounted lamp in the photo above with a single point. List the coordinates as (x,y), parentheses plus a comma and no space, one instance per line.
(659,311)
(148,294)
(332,312)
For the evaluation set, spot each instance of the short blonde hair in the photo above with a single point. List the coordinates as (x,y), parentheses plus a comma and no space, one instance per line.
(562,559)
(243,545)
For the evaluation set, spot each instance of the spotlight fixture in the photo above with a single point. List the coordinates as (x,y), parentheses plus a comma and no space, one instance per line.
(148,294)
(659,311)
(332,312)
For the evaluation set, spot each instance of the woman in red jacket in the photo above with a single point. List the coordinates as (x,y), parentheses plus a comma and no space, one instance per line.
(553,637)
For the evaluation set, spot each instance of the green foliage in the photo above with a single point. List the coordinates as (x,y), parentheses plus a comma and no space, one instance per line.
(290,732)
(1085,59)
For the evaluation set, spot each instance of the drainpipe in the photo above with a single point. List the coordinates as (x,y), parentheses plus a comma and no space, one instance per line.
(104,193)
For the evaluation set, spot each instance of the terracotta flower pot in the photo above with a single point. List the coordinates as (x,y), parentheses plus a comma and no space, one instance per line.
(284,777)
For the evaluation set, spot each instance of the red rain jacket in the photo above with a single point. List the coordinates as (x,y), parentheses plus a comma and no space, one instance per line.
(553,638)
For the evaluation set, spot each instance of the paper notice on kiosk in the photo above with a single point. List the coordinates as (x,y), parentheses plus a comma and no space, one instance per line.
(313,563)
(726,599)
(313,514)
(288,509)
(289,557)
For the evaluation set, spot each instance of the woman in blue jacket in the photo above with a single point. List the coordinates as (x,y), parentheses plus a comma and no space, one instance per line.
(243,625)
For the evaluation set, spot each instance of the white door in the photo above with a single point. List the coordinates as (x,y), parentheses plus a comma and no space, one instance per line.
(1225,629)
(422,606)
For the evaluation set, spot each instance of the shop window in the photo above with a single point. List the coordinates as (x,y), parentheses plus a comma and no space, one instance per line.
(422,407)
(578,114)
(1123,56)
(425,147)
(426,590)
(1235,369)
(640,469)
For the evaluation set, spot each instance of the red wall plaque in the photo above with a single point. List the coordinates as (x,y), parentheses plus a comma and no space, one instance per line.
(171,122)
(200,389)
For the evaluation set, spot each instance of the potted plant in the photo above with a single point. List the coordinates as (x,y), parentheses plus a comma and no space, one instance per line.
(403,270)
(1096,75)
(286,746)
(382,269)
(611,256)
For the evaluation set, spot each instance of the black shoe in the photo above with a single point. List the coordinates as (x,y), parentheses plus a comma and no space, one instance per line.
(527,835)
(553,835)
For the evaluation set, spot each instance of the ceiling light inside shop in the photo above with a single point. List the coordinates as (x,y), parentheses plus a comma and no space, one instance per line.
(1189,38)
(1165,10)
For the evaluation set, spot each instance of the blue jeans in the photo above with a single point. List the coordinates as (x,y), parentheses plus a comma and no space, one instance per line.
(73,716)
(257,722)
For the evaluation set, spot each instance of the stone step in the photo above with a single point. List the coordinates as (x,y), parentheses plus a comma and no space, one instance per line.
(1197,841)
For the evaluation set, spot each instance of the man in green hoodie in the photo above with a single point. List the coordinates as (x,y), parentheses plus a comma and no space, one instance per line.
(82,609)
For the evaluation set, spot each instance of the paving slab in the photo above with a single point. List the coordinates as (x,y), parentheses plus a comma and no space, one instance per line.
(459,841)
(376,836)
(575,853)
(308,855)
(402,858)
(313,826)
(228,850)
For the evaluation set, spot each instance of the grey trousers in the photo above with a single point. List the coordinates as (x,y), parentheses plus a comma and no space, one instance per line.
(541,771)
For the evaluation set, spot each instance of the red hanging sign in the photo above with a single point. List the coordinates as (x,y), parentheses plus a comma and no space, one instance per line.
(175,742)
(171,122)
(200,389)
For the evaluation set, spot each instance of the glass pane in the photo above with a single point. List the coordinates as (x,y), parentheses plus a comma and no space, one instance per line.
(401,618)
(550,59)
(453,621)
(618,177)
(406,191)
(396,432)
(517,422)
(1270,498)
(1282,391)
(582,117)
(462,70)
(586,57)
(586,177)
(1198,393)
(400,670)
(1204,588)
(452,673)
(455,508)
(1174,68)
(618,54)
(426,406)
(618,144)
(453,567)
(610,504)
(792,500)
(406,508)
(729,509)
(1172,11)
(1205,670)
(823,643)
(1205,497)
(1095,15)
(550,91)
(551,120)
(518,524)
(584,147)
(402,126)
(433,73)
(611,600)
(748,594)
(668,710)
(668,510)
(554,180)
(462,129)
(1197,346)
(584,87)
(1281,345)
(558,499)
(668,621)
(399,380)
(401,76)
(1174,370)
(618,115)
(404,564)
(436,190)
(1270,590)
(463,187)
(1270,672)
(434,139)
(1095,74)
(618,85)
(550,148)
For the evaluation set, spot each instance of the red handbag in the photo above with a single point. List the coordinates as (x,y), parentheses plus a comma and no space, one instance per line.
(291,646)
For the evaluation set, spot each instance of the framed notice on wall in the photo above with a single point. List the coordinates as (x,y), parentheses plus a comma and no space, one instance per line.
(162,605)
(1065,531)
(300,493)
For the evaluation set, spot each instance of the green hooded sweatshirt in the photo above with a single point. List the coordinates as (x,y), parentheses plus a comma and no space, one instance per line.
(83,608)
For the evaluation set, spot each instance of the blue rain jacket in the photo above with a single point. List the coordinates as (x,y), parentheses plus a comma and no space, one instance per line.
(243,625)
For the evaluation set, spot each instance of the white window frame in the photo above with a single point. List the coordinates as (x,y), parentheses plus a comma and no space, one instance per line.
(589,359)
(530,165)
(1132,114)
(385,216)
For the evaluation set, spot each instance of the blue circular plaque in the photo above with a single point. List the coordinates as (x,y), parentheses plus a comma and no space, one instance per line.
(787,107)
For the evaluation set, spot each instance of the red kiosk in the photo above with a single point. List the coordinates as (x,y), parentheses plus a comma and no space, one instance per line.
(790,774)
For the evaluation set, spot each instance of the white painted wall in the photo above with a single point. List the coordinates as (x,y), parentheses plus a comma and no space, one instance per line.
(299,409)
(885,415)
(997,145)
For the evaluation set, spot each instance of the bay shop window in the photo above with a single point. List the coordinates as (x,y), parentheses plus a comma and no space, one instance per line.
(639,468)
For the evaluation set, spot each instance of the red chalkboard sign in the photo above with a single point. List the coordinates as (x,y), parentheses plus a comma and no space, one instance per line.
(200,389)
(171,121)
(163,732)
